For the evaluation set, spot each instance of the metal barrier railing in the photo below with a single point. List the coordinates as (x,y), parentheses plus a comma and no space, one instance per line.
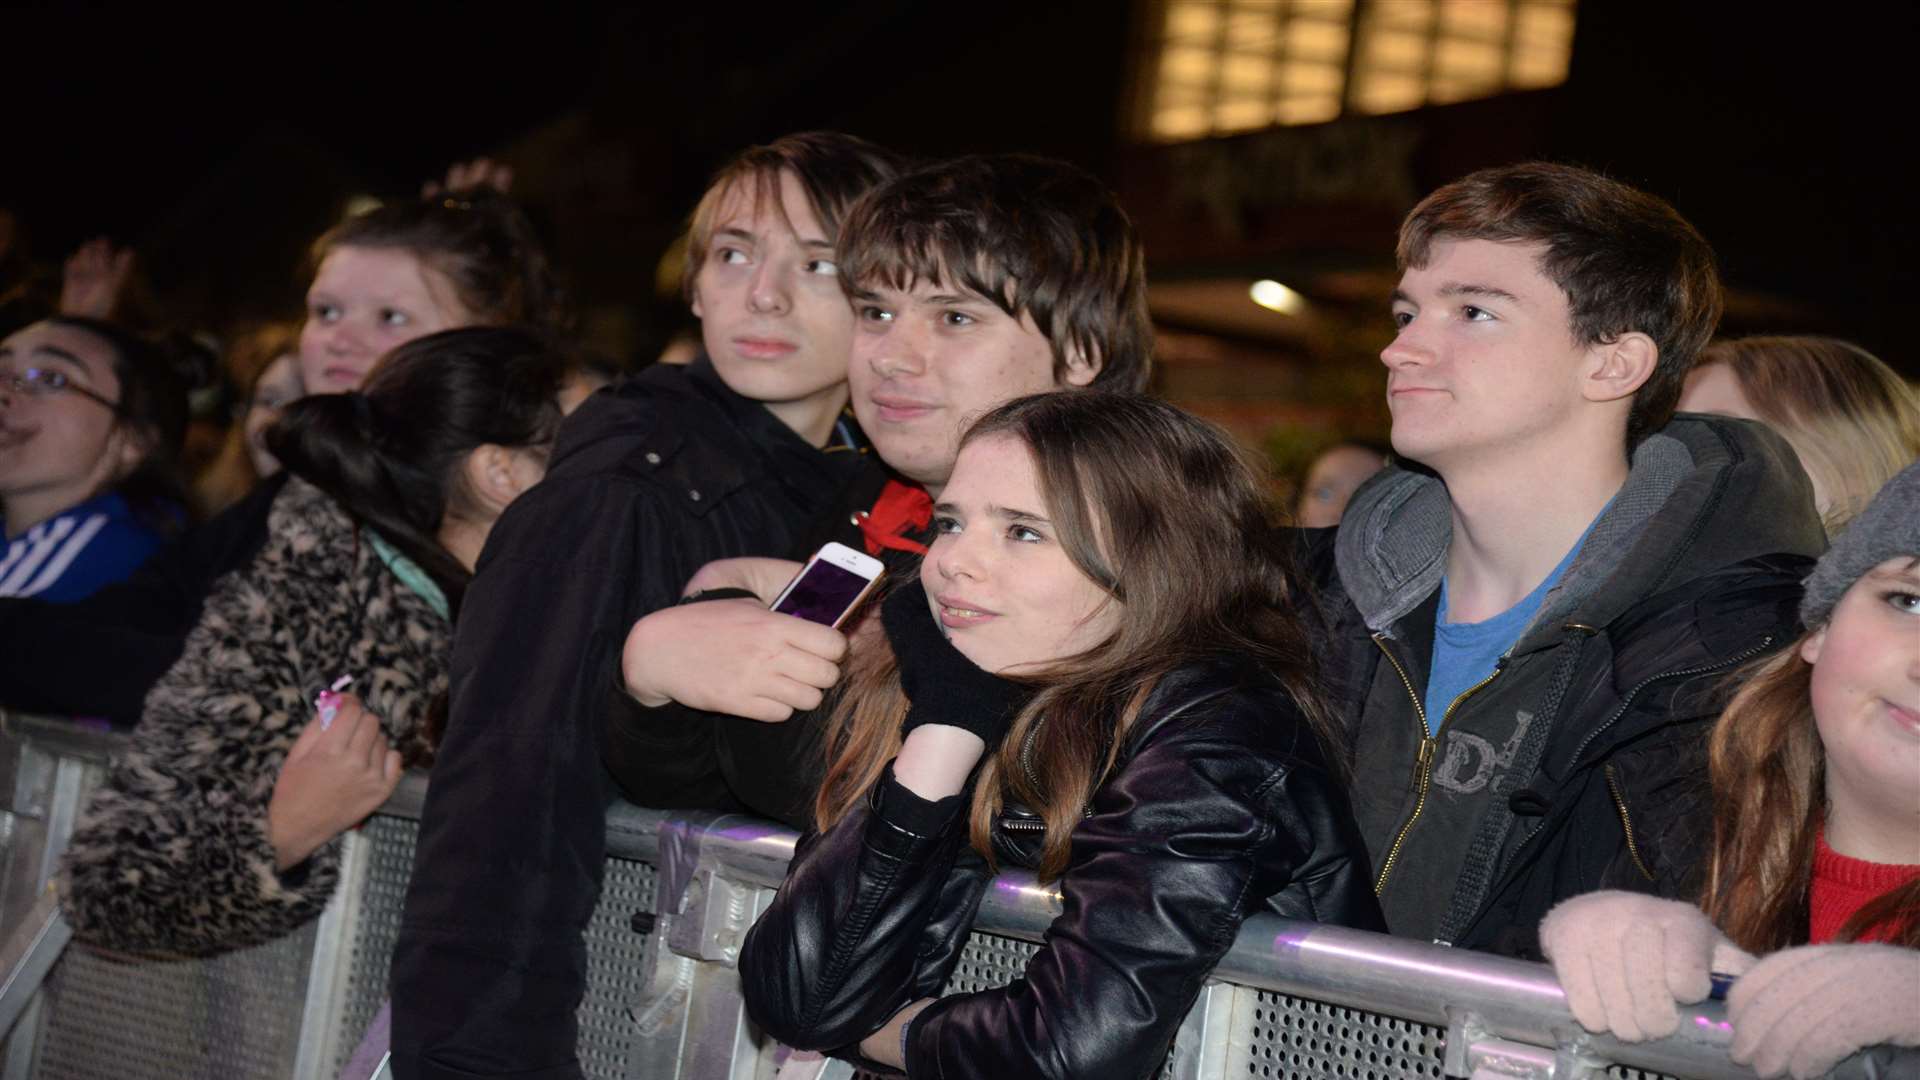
(1289,1000)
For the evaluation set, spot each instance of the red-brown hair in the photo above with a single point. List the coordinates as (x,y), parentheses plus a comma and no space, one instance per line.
(1768,770)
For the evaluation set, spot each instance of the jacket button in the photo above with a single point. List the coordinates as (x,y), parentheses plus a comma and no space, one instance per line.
(653,458)
(693,494)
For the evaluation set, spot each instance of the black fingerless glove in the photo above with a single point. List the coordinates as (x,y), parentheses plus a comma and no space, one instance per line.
(942,685)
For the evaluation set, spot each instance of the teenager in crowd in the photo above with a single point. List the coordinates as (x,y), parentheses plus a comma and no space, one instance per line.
(1816,837)
(263,364)
(91,420)
(1335,474)
(1099,671)
(974,281)
(1852,421)
(380,280)
(731,455)
(215,827)
(1527,630)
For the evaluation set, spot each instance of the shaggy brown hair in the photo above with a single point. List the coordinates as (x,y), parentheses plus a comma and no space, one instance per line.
(1626,260)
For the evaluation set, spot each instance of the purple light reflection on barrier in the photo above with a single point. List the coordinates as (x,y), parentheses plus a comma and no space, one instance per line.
(1305,944)
(752,832)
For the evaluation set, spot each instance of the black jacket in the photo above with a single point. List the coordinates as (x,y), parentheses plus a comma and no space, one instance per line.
(647,482)
(673,757)
(1579,765)
(99,656)
(1220,806)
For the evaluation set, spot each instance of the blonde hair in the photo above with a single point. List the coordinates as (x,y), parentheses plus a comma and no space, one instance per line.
(1850,418)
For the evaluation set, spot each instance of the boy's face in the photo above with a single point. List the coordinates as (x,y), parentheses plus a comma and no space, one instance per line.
(1484,365)
(929,360)
(769,302)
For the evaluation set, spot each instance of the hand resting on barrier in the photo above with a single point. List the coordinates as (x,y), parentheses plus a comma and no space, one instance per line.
(1628,961)
(1800,1011)
(731,656)
(335,775)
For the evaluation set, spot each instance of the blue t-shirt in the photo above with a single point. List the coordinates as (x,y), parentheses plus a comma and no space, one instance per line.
(1464,654)
(73,554)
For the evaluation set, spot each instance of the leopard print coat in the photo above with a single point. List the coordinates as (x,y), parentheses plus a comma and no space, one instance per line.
(171,856)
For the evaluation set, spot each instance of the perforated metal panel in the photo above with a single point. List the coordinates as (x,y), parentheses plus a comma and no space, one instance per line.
(1293,1037)
(389,869)
(1622,1072)
(236,1016)
(989,962)
(614,950)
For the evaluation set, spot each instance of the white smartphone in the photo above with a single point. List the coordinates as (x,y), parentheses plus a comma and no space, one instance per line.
(831,585)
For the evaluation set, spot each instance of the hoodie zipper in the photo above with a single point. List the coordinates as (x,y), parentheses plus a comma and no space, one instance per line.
(1626,823)
(1621,710)
(1429,743)
(1627,701)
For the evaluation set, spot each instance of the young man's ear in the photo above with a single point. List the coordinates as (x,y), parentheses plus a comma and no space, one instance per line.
(1620,367)
(1081,367)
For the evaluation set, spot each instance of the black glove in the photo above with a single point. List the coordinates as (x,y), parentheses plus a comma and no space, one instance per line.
(942,685)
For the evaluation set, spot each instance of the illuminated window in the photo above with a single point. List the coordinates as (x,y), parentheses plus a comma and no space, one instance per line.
(1220,66)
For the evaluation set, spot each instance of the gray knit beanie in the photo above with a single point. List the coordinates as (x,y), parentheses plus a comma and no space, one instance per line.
(1887,528)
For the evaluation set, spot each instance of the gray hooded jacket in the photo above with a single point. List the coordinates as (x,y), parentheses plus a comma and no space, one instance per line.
(1578,765)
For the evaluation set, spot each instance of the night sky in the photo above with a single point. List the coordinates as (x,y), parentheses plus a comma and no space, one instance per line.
(216,140)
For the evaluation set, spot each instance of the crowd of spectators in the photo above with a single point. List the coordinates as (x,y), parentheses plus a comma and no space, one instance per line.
(1611,658)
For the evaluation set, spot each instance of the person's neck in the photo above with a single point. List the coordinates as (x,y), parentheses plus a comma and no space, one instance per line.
(27,509)
(1515,518)
(811,418)
(1883,829)
(463,538)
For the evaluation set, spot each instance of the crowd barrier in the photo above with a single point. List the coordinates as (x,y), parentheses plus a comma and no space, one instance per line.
(663,1001)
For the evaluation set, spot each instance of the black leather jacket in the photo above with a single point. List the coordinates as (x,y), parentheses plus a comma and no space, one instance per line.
(1221,804)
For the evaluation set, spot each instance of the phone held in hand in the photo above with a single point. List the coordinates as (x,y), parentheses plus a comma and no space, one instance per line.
(830,586)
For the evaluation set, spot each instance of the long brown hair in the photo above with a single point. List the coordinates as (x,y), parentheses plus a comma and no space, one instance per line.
(1165,513)
(1768,770)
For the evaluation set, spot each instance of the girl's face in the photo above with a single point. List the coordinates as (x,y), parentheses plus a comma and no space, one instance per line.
(364,302)
(276,386)
(1866,690)
(61,439)
(996,576)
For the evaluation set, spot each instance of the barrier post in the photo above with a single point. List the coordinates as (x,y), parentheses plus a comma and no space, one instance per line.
(692,1017)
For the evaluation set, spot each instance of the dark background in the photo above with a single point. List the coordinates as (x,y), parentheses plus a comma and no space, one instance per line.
(219,143)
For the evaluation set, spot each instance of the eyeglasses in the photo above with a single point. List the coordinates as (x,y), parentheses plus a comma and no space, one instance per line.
(46,382)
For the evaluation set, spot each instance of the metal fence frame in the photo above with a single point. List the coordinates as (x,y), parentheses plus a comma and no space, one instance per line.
(1289,999)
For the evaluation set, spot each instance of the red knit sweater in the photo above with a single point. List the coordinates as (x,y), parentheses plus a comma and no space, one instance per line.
(1843,885)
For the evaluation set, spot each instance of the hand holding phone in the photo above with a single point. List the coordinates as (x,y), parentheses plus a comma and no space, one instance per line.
(830,586)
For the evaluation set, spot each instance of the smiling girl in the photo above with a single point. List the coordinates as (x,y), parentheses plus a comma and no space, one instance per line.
(1816,836)
(91,419)
(1099,674)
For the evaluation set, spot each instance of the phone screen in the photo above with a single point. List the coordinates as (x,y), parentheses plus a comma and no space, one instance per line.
(822,593)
